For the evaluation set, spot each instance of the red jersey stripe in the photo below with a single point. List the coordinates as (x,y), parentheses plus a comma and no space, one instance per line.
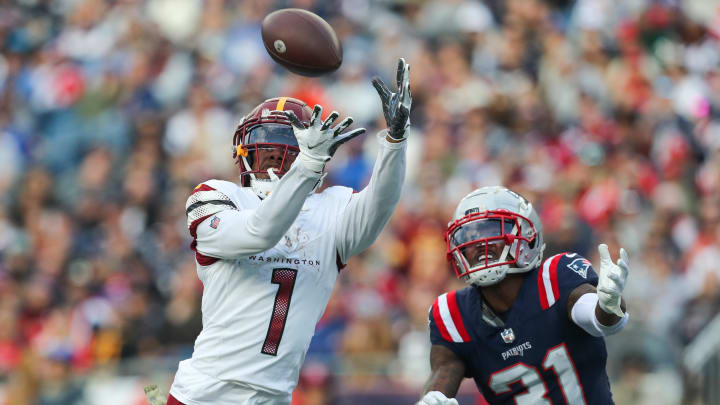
(456,317)
(194,225)
(201,258)
(541,288)
(439,322)
(553,276)
(173,401)
(204,260)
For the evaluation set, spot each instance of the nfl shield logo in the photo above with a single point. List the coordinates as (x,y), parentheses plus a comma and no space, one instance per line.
(508,335)
(580,266)
(214,222)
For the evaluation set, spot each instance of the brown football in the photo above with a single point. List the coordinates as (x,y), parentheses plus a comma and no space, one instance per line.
(301,41)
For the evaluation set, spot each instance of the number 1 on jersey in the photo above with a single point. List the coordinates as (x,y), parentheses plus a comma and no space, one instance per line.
(285,278)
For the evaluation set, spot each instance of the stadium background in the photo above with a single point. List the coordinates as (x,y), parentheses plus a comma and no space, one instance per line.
(605,114)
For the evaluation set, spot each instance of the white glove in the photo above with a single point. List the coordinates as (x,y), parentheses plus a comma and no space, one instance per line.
(437,398)
(318,142)
(612,280)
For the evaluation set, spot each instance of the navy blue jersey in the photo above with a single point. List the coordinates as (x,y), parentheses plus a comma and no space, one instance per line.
(533,353)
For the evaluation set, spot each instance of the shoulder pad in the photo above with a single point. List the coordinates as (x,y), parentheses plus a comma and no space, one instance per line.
(445,314)
(226,187)
(577,263)
(204,201)
(562,272)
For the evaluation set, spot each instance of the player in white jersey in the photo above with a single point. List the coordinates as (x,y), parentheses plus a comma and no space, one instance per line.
(269,250)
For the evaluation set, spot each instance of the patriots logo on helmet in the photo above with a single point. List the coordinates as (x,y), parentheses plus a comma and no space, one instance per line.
(580,266)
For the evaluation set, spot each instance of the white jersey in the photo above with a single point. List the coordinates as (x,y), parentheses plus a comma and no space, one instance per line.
(260,305)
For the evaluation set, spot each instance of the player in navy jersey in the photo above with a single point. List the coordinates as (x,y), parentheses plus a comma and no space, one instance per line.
(527,331)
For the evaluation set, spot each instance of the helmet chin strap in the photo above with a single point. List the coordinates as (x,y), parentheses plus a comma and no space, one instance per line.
(264,187)
(506,248)
(261,187)
(502,270)
(319,183)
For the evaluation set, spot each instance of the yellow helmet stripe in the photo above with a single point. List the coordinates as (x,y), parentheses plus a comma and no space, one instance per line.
(281,104)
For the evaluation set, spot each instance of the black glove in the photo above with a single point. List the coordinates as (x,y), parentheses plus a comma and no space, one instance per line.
(396,106)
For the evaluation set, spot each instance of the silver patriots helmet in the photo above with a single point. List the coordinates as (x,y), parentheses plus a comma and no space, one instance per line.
(494,231)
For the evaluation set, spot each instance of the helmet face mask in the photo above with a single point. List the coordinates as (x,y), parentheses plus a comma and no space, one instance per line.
(270,146)
(495,232)
(478,241)
(265,139)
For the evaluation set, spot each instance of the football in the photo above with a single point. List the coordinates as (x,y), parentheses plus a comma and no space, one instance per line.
(301,41)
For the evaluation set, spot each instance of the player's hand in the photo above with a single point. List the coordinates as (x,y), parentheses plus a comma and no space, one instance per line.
(319,141)
(437,398)
(396,106)
(612,280)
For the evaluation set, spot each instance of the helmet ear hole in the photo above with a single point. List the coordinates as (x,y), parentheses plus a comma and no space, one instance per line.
(531,244)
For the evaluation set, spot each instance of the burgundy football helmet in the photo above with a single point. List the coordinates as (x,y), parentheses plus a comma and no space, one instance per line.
(265,138)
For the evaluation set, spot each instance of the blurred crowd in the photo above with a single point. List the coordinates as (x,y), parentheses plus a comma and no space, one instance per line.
(605,114)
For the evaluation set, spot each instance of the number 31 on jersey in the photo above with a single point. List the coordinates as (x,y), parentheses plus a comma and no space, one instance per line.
(558,359)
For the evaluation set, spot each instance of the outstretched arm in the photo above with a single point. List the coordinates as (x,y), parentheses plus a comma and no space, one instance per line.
(448,372)
(243,232)
(369,211)
(601,311)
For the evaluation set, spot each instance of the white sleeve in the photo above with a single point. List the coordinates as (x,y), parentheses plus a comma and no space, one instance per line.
(369,211)
(583,314)
(249,231)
